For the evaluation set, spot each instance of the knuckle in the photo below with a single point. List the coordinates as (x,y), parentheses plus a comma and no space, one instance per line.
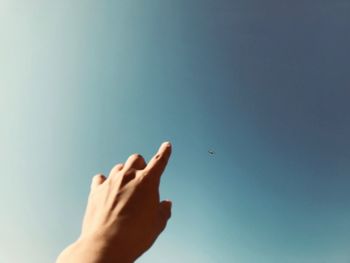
(136,156)
(97,176)
(119,166)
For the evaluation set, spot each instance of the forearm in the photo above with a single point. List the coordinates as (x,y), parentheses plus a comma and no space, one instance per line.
(90,250)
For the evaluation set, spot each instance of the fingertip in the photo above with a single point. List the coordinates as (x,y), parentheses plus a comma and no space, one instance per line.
(97,180)
(165,146)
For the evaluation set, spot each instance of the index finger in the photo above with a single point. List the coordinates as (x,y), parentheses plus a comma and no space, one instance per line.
(157,164)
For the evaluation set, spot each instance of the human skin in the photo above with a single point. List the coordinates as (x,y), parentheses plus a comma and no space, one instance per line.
(124,215)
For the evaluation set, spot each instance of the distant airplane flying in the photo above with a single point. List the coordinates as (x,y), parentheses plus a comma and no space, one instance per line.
(211,152)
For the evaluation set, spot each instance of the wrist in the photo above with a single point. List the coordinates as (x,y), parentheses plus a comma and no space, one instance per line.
(90,249)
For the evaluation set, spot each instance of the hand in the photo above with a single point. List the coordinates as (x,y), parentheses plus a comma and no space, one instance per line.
(124,215)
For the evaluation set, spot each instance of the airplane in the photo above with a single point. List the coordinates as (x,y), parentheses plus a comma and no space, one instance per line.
(211,152)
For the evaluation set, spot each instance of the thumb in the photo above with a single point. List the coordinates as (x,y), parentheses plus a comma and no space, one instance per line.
(164,214)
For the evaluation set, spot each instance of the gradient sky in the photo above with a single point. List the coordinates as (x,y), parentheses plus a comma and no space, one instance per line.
(265,84)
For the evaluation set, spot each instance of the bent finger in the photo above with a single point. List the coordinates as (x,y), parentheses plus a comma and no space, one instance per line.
(135,161)
(97,180)
(118,167)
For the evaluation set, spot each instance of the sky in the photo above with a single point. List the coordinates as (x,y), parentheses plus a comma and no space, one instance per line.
(265,84)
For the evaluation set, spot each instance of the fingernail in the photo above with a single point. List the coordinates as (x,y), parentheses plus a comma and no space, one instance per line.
(166,144)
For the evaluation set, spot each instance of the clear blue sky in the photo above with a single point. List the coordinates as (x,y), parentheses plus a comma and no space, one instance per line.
(265,84)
